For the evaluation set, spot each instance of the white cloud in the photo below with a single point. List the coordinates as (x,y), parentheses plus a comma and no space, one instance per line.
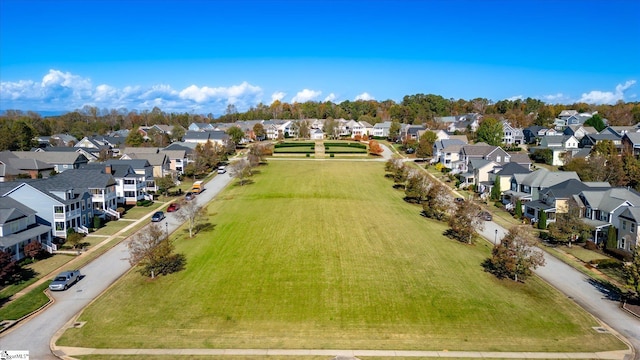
(305,95)
(277,96)
(330,97)
(65,91)
(517,97)
(555,98)
(364,96)
(607,97)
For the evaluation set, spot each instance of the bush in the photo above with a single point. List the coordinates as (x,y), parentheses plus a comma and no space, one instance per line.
(606,263)
(619,254)
(307,155)
(97,222)
(120,211)
(332,155)
(544,235)
(590,245)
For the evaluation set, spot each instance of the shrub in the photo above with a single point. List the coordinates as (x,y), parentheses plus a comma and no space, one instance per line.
(619,254)
(332,155)
(307,155)
(590,245)
(120,210)
(606,263)
(97,222)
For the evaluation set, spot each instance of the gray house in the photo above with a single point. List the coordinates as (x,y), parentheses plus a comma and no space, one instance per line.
(19,226)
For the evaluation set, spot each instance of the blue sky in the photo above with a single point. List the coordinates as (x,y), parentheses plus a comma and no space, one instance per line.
(199,56)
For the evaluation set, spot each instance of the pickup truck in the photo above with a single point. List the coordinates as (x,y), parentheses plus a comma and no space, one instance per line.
(65,279)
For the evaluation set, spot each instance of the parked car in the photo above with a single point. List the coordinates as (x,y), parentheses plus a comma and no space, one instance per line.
(189,196)
(157,216)
(222,170)
(173,207)
(459,200)
(485,215)
(64,280)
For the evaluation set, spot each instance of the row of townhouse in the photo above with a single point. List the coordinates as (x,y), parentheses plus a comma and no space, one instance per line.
(275,129)
(599,205)
(68,201)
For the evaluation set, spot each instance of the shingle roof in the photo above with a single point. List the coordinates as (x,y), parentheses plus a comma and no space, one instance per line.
(611,199)
(11,209)
(543,178)
(52,157)
(513,168)
(572,187)
(87,178)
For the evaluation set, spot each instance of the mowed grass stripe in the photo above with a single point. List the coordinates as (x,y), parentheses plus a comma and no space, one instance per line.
(327,255)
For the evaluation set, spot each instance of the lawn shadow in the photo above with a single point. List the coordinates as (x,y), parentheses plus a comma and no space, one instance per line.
(244,182)
(204,227)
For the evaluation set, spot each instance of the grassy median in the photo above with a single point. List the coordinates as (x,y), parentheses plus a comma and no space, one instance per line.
(327,255)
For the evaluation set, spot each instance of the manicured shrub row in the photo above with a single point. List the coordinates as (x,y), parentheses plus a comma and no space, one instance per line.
(284,145)
(606,263)
(346,151)
(345,144)
(144,203)
(294,151)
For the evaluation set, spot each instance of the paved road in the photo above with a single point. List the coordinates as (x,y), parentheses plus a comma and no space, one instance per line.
(35,335)
(586,293)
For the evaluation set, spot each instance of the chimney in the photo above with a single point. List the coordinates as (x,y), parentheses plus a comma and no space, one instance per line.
(107,169)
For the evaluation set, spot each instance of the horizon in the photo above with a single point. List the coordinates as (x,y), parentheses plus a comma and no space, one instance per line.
(199,57)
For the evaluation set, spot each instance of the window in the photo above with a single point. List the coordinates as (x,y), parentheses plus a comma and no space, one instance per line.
(498,158)
(59,226)
(129,182)
(624,225)
(58,209)
(633,227)
(73,206)
(622,243)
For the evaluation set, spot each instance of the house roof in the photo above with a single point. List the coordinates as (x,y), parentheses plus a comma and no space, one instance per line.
(444,143)
(117,170)
(382,125)
(568,188)
(480,163)
(54,184)
(87,178)
(520,158)
(631,212)
(543,178)
(136,164)
(462,138)
(478,150)
(633,137)
(154,159)
(206,135)
(188,147)
(609,200)
(11,209)
(30,233)
(512,168)
(53,157)
(13,164)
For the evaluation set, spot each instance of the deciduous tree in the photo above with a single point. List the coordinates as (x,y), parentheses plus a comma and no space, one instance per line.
(490,131)
(9,268)
(631,272)
(516,256)
(236,134)
(240,169)
(465,222)
(190,212)
(165,184)
(259,131)
(375,148)
(439,204)
(425,145)
(153,251)
(33,249)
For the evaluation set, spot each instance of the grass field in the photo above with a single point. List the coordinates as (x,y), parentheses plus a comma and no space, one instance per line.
(327,255)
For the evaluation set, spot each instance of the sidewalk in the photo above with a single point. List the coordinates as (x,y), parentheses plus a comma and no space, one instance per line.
(69,352)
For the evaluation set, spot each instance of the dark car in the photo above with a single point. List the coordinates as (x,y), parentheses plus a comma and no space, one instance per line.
(459,199)
(189,196)
(485,215)
(173,207)
(157,216)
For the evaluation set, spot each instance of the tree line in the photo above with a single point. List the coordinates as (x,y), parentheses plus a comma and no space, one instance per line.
(413,109)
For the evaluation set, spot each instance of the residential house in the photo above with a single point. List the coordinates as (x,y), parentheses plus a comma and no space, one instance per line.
(62,140)
(99,183)
(381,130)
(61,161)
(317,134)
(590,140)
(533,134)
(13,167)
(218,138)
(90,154)
(480,151)
(447,151)
(58,203)
(527,186)
(276,129)
(603,208)
(200,127)
(631,141)
(502,175)
(19,226)
(143,168)
(410,132)
(579,131)
(557,199)
(158,159)
(521,159)
(130,186)
(628,239)
(511,135)
(477,174)
(562,147)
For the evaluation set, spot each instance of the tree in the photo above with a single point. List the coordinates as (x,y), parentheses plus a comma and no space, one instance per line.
(425,145)
(496,193)
(190,212)
(236,134)
(612,238)
(178,133)
(568,227)
(258,153)
(596,121)
(439,203)
(542,222)
(9,268)
(417,187)
(33,249)
(543,156)
(134,139)
(153,251)
(465,221)
(165,184)
(394,130)
(259,131)
(375,148)
(490,131)
(631,271)
(518,209)
(515,256)
(240,169)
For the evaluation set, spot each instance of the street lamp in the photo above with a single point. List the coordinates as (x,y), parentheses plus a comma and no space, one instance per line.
(495,239)
(166,226)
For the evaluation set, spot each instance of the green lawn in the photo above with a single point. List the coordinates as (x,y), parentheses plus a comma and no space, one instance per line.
(327,255)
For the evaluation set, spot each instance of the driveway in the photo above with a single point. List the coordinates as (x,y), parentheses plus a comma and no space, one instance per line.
(36,333)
